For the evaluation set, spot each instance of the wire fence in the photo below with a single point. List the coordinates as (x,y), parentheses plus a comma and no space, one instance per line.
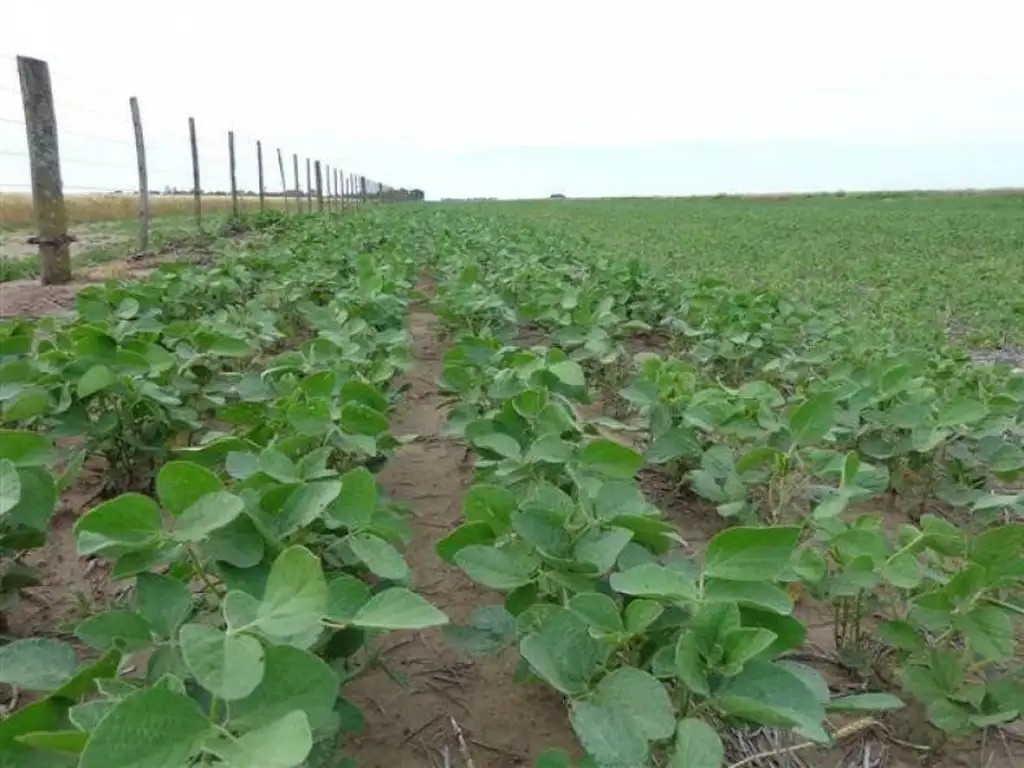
(64,136)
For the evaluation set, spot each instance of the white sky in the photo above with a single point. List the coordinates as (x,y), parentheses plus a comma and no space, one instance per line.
(397,90)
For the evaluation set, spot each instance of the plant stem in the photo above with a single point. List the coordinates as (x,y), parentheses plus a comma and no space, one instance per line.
(198,566)
(214,706)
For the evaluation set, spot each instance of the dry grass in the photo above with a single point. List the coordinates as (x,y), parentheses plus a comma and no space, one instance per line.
(16,209)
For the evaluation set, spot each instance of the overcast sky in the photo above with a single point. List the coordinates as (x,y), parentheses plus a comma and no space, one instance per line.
(527,98)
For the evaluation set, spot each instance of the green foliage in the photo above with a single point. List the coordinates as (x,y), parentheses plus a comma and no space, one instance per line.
(251,545)
(787,416)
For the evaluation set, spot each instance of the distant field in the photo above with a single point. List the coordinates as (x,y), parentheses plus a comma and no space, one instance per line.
(16,209)
(925,266)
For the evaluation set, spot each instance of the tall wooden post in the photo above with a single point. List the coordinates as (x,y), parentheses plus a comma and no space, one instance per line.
(298,187)
(197,190)
(234,176)
(284,183)
(309,186)
(44,161)
(140,156)
(319,188)
(259,168)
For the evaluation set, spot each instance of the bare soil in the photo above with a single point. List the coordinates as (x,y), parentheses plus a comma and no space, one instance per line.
(72,587)
(15,245)
(504,724)
(30,298)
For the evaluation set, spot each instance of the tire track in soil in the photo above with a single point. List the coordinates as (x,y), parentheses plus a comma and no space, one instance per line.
(505,724)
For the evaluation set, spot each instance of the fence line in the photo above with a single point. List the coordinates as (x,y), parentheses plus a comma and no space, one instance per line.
(333,189)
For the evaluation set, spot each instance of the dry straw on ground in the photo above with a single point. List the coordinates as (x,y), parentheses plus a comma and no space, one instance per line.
(16,209)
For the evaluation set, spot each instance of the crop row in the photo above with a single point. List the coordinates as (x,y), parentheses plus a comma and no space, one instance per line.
(796,427)
(237,413)
(240,411)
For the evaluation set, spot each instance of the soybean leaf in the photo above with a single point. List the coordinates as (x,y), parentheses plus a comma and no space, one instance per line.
(750,553)
(599,611)
(607,736)
(379,556)
(398,608)
(94,380)
(180,484)
(755,594)
(304,505)
(553,758)
(69,742)
(742,644)
(357,501)
(689,665)
(697,745)
(641,613)
(360,419)
(491,504)
(87,715)
(345,596)
(278,466)
(602,548)
(85,679)
(10,486)
(610,459)
(37,663)
(770,694)
(812,421)
(651,580)
(207,514)
(241,464)
(26,449)
(639,697)
(129,521)
(153,728)
(568,372)
(490,629)
(285,743)
(501,444)
(962,410)
(900,634)
(165,603)
(296,594)
(562,652)
(229,666)
(122,630)
(465,535)
(293,679)
(38,498)
(860,702)
(496,568)
(989,630)
(238,543)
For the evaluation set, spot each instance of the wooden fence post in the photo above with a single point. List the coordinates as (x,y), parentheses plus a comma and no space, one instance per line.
(197,191)
(327,186)
(259,168)
(284,183)
(298,187)
(362,187)
(140,156)
(234,177)
(319,188)
(44,160)
(309,186)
